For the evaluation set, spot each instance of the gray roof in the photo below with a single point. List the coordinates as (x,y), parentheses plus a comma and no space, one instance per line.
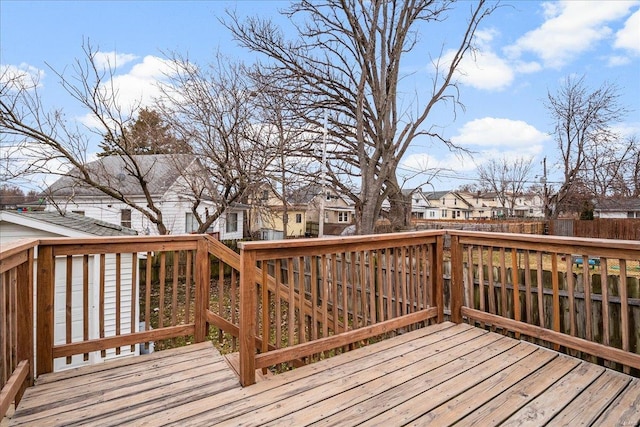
(80,223)
(304,194)
(159,170)
(435,195)
(619,205)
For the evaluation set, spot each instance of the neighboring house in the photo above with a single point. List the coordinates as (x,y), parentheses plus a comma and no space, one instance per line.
(170,181)
(449,205)
(15,225)
(339,213)
(618,208)
(421,207)
(483,205)
(488,206)
(529,206)
(268,213)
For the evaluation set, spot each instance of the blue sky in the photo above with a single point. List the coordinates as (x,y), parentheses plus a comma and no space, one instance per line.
(526,49)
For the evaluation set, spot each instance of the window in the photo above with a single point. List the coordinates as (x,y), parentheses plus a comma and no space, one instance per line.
(343,216)
(298,218)
(432,214)
(455,202)
(265,194)
(232,223)
(190,223)
(444,213)
(125,218)
(285,218)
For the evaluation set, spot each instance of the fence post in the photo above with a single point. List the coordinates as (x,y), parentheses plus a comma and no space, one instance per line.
(457,280)
(437,282)
(45,317)
(202,274)
(247,317)
(25,318)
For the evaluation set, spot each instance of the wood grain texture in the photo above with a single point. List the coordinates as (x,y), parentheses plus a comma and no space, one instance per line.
(437,375)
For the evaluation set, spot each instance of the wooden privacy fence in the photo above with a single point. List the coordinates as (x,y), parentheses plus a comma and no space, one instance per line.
(502,282)
(598,228)
(319,297)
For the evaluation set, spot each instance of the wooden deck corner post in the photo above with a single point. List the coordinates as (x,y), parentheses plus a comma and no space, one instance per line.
(202,277)
(45,318)
(25,318)
(247,317)
(457,280)
(437,282)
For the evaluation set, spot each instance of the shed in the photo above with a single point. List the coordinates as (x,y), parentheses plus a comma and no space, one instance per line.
(24,224)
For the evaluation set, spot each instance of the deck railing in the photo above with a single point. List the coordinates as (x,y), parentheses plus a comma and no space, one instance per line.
(16,322)
(325,295)
(290,302)
(579,294)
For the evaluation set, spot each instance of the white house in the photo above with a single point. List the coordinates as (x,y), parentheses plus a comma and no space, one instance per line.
(17,225)
(421,207)
(170,181)
(448,205)
(618,208)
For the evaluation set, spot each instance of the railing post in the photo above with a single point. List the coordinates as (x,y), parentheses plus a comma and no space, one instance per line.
(437,283)
(202,277)
(25,317)
(247,318)
(45,317)
(457,280)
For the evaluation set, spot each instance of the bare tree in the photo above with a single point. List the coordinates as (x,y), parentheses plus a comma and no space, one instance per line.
(347,59)
(52,144)
(507,178)
(285,131)
(213,129)
(583,127)
(214,109)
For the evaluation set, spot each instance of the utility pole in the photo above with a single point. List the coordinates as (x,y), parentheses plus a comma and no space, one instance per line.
(323,177)
(545,190)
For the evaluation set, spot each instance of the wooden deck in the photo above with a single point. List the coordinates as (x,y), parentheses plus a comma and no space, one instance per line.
(439,375)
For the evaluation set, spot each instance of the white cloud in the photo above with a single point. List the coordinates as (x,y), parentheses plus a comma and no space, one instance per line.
(629,37)
(501,133)
(617,61)
(427,163)
(571,28)
(136,88)
(482,68)
(112,60)
(23,76)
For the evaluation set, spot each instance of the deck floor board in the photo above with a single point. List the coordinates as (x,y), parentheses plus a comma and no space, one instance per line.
(438,375)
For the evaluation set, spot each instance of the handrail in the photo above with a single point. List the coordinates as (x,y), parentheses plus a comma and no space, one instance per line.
(16,322)
(328,294)
(499,280)
(358,287)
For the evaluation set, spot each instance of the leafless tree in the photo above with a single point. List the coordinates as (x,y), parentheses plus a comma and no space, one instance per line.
(214,109)
(51,144)
(286,132)
(213,128)
(609,169)
(347,59)
(583,127)
(506,178)
(619,169)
